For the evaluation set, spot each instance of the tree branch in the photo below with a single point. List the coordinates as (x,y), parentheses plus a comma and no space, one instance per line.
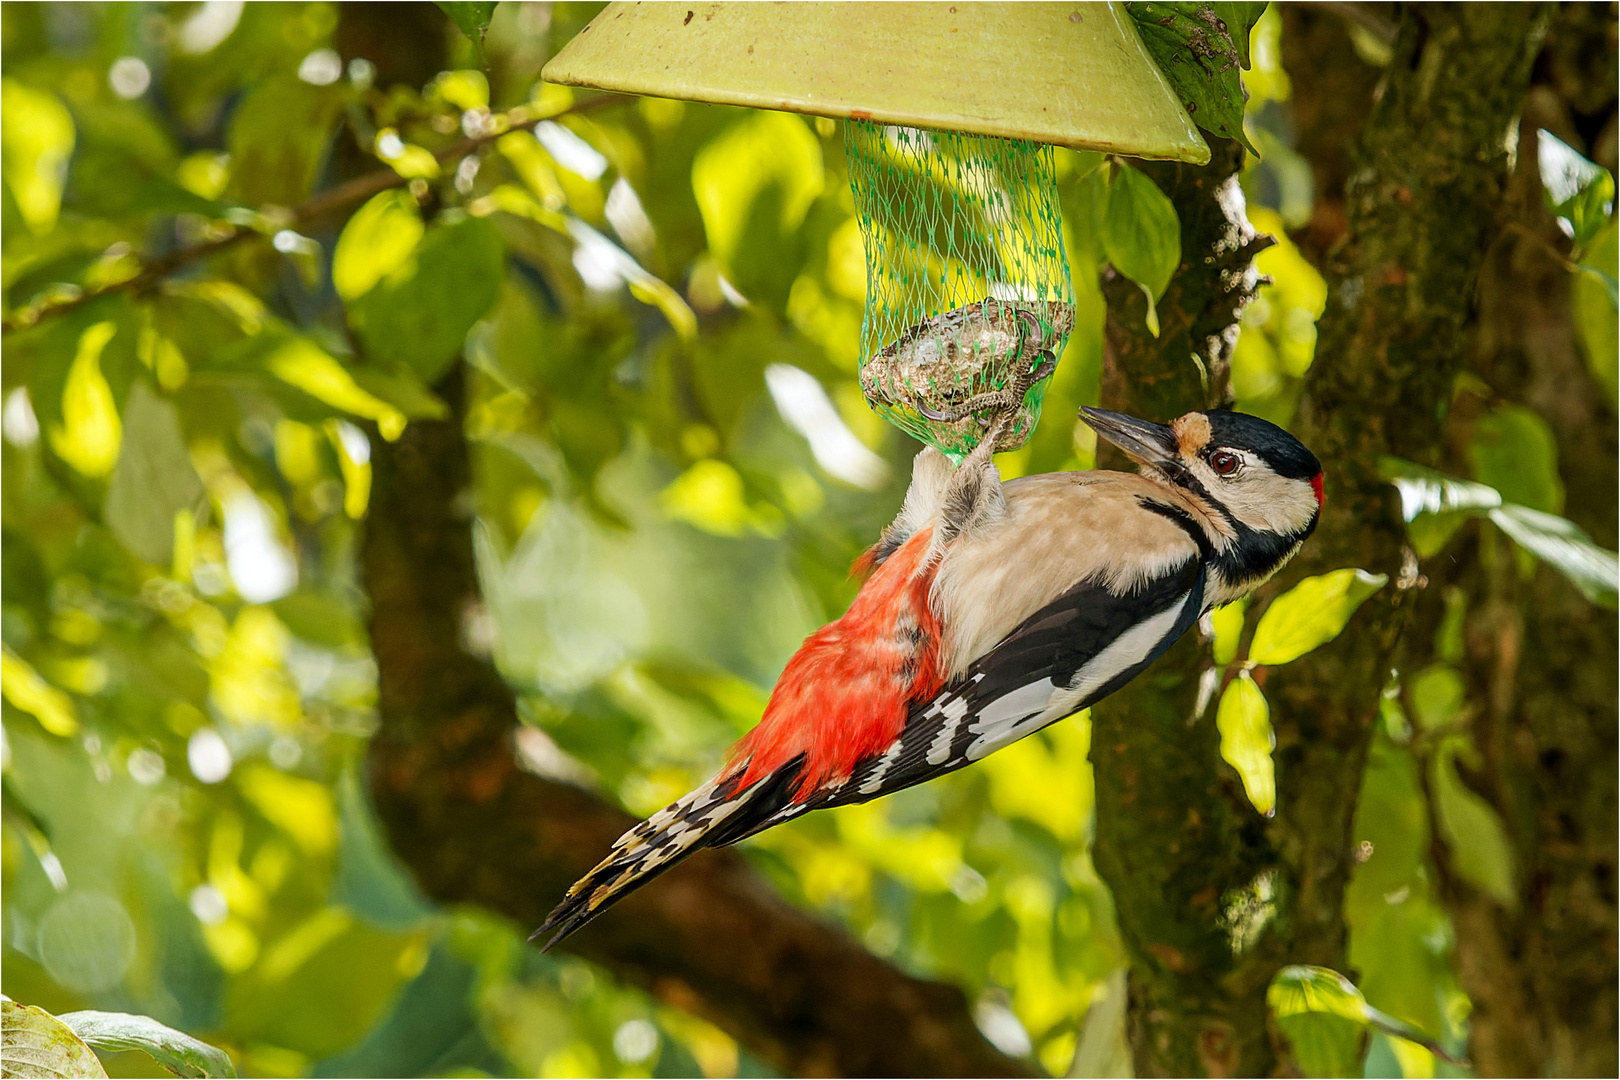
(709,937)
(349,193)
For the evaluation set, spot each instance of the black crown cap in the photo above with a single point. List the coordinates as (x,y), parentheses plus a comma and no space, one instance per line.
(1285,454)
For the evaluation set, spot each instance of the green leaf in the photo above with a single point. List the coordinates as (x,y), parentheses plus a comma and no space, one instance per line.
(1323,1016)
(34,1043)
(377,241)
(1514,451)
(1555,540)
(318,617)
(174,1050)
(1311,614)
(277,140)
(1244,721)
(1579,191)
(1596,305)
(154,479)
(471,18)
(369,879)
(300,362)
(1227,622)
(1565,547)
(1438,695)
(1141,235)
(419,316)
(1434,505)
(1480,849)
(1425,491)
(755,183)
(400,387)
(1200,48)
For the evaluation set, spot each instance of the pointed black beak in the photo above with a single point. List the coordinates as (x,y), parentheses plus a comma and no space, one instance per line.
(1146,442)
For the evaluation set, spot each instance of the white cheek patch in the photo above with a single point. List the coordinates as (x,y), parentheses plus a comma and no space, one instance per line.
(1259,498)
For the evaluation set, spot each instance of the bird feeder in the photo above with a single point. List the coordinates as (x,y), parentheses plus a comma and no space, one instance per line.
(951,114)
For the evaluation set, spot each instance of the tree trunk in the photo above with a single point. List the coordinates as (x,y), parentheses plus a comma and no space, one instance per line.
(1539,659)
(1213,899)
(1421,209)
(1176,839)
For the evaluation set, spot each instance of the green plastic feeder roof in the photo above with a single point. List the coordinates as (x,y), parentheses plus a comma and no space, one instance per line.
(1072,74)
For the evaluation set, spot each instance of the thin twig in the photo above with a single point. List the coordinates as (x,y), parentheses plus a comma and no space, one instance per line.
(349,193)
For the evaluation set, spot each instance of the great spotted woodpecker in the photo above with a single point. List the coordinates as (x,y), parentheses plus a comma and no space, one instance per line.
(990,611)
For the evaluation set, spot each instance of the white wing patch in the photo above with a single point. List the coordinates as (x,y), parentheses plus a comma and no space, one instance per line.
(1030,708)
(1006,719)
(1125,651)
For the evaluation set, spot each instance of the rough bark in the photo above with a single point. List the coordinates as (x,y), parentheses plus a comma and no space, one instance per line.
(710,937)
(1421,209)
(1175,839)
(1538,659)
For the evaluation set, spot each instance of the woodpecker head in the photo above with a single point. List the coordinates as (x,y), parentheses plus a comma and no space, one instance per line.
(1262,485)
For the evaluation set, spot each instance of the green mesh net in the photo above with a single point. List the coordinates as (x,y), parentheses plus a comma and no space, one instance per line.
(968,298)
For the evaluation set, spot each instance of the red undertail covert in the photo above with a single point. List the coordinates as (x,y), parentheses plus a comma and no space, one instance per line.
(845,694)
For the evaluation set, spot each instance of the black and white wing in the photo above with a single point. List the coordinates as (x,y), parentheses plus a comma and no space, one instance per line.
(1076,650)
(1073,652)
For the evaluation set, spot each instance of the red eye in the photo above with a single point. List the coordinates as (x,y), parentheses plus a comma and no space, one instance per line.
(1223,463)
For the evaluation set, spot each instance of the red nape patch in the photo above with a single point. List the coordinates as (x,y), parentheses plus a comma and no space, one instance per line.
(845,694)
(1316,486)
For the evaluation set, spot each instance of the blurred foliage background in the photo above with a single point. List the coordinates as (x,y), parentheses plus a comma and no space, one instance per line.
(659,305)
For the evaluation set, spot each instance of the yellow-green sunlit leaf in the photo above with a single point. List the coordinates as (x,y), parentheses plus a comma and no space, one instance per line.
(1323,1016)
(1227,621)
(464,89)
(301,363)
(765,150)
(356,466)
(1311,614)
(411,161)
(36,141)
(418,317)
(24,688)
(1244,721)
(91,431)
(377,240)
